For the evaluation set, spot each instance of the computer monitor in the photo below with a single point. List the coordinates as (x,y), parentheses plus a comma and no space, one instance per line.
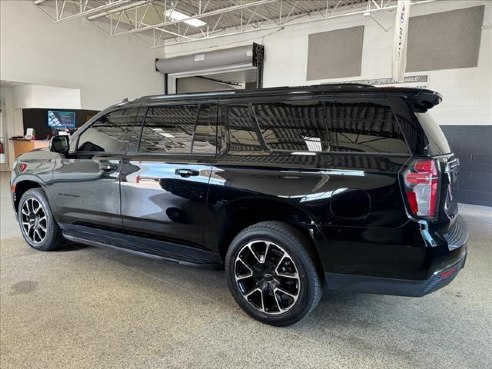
(61,119)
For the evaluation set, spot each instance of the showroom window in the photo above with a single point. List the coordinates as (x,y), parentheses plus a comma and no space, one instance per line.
(321,126)
(177,129)
(242,132)
(109,133)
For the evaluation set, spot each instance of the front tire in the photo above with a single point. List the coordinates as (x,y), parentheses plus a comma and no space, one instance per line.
(271,273)
(36,221)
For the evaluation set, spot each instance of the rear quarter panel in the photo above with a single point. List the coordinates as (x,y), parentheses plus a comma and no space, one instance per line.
(351,235)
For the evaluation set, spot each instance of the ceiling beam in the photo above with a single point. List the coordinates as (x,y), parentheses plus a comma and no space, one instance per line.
(134,4)
(198,16)
(86,13)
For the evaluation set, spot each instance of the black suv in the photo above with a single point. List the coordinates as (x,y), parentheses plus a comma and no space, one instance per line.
(290,189)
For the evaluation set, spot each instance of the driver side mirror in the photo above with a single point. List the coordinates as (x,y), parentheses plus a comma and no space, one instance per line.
(60,144)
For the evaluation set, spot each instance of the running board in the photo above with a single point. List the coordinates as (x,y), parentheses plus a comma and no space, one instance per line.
(183,255)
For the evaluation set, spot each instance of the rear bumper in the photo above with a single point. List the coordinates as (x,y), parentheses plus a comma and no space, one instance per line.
(439,278)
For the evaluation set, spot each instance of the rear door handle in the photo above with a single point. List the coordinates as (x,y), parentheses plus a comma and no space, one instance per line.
(187,172)
(107,167)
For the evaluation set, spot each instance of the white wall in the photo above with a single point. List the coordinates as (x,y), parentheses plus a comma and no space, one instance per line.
(467,92)
(37,96)
(73,54)
(10,124)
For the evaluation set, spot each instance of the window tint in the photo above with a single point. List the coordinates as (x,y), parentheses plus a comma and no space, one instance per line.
(179,128)
(205,140)
(330,126)
(242,132)
(438,144)
(109,133)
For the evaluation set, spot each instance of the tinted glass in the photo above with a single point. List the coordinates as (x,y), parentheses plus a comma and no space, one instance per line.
(180,129)
(320,126)
(205,140)
(109,133)
(242,131)
(438,144)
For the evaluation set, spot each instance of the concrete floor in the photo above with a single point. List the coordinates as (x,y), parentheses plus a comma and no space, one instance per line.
(93,308)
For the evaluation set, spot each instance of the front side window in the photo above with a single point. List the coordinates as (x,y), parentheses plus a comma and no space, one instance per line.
(179,129)
(109,133)
(321,126)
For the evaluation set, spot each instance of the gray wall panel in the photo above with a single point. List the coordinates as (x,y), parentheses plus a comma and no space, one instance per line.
(445,40)
(472,145)
(335,54)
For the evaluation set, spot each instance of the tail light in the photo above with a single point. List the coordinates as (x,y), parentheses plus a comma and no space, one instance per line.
(422,187)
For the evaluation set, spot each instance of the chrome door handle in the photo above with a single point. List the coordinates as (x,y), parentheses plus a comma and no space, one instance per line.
(187,172)
(107,167)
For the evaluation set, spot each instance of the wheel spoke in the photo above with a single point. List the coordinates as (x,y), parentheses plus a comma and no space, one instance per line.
(36,232)
(42,227)
(281,290)
(264,257)
(280,309)
(244,276)
(287,275)
(24,211)
(239,258)
(252,291)
(280,262)
(254,253)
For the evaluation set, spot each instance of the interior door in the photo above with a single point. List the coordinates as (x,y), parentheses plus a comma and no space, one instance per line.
(164,183)
(86,182)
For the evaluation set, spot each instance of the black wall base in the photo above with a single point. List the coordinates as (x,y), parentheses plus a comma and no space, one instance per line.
(473,146)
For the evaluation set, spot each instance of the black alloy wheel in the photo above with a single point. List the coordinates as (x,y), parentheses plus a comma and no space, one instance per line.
(271,273)
(36,221)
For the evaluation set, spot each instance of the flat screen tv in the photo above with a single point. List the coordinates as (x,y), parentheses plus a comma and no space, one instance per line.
(61,119)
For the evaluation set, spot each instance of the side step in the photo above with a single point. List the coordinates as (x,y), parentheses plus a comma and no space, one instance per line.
(175,253)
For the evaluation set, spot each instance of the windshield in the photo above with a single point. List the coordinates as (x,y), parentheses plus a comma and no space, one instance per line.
(438,144)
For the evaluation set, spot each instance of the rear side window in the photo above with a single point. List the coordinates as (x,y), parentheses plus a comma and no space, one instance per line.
(322,126)
(438,144)
(243,134)
(178,129)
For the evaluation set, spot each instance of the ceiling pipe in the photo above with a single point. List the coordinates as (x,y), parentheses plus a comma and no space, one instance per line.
(93,10)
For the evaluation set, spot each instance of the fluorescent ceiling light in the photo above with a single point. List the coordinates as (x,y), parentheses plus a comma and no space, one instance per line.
(174,14)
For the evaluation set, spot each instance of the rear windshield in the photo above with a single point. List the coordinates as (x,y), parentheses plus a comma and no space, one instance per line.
(322,126)
(438,144)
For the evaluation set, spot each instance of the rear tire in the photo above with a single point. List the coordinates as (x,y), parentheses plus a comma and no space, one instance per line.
(38,227)
(271,273)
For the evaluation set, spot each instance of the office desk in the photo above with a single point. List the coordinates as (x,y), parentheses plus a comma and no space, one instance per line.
(23,146)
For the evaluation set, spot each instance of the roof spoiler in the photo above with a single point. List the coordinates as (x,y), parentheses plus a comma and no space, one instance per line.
(425,100)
